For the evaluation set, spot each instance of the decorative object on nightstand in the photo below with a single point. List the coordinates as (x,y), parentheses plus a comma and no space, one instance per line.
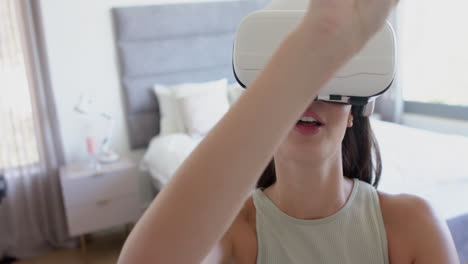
(85,107)
(96,200)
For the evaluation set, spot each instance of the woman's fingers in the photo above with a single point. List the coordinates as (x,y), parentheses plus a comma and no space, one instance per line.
(375,12)
(354,22)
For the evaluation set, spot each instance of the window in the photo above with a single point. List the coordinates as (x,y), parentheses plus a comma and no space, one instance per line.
(433,47)
(18,145)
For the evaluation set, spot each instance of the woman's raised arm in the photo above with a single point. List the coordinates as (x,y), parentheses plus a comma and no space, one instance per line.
(194,210)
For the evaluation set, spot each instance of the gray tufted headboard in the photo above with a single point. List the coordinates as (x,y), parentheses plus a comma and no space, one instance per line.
(169,44)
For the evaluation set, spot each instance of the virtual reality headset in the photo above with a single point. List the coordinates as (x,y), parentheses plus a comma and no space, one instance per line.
(359,82)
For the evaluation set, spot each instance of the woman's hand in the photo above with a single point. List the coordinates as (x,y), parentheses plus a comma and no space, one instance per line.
(348,23)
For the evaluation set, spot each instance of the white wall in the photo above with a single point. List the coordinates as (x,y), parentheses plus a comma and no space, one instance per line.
(82,59)
(81,53)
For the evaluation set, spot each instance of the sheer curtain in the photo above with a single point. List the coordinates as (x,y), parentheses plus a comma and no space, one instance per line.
(32,218)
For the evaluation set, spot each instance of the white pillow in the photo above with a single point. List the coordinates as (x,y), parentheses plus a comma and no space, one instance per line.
(234,92)
(188,89)
(170,118)
(202,105)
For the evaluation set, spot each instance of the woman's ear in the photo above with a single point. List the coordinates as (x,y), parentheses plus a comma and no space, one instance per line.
(350,120)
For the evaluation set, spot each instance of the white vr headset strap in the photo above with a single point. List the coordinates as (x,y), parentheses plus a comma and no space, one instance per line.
(368,109)
(364,110)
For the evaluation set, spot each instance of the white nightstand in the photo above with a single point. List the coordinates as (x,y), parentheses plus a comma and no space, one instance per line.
(97,200)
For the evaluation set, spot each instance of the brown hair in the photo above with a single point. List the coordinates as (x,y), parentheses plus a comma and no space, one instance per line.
(360,155)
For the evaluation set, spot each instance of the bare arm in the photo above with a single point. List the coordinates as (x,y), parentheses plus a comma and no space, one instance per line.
(207,191)
(221,253)
(417,234)
(434,243)
(205,194)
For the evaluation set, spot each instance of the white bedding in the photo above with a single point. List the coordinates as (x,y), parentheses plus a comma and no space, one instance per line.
(166,153)
(428,164)
(431,165)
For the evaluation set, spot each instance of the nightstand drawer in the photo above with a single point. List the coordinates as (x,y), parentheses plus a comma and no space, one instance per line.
(88,190)
(103,214)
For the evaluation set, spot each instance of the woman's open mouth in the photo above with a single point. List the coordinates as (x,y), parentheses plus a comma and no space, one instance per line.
(308,126)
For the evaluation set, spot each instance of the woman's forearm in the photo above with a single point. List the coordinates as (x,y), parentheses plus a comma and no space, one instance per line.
(207,191)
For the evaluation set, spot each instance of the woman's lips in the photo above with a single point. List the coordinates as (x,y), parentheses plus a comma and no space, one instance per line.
(307,128)
(310,113)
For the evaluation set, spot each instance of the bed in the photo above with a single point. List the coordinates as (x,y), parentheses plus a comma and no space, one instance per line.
(171,44)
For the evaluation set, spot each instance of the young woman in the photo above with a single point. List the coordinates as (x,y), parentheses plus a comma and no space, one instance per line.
(317,205)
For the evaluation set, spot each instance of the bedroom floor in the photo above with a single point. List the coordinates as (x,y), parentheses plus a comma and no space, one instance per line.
(101,249)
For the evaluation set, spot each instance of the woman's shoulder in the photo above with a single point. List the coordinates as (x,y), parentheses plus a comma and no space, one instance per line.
(412,225)
(239,242)
(402,212)
(245,220)
(395,205)
(243,234)
(406,211)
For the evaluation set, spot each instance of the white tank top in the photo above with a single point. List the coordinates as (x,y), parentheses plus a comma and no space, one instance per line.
(354,235)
